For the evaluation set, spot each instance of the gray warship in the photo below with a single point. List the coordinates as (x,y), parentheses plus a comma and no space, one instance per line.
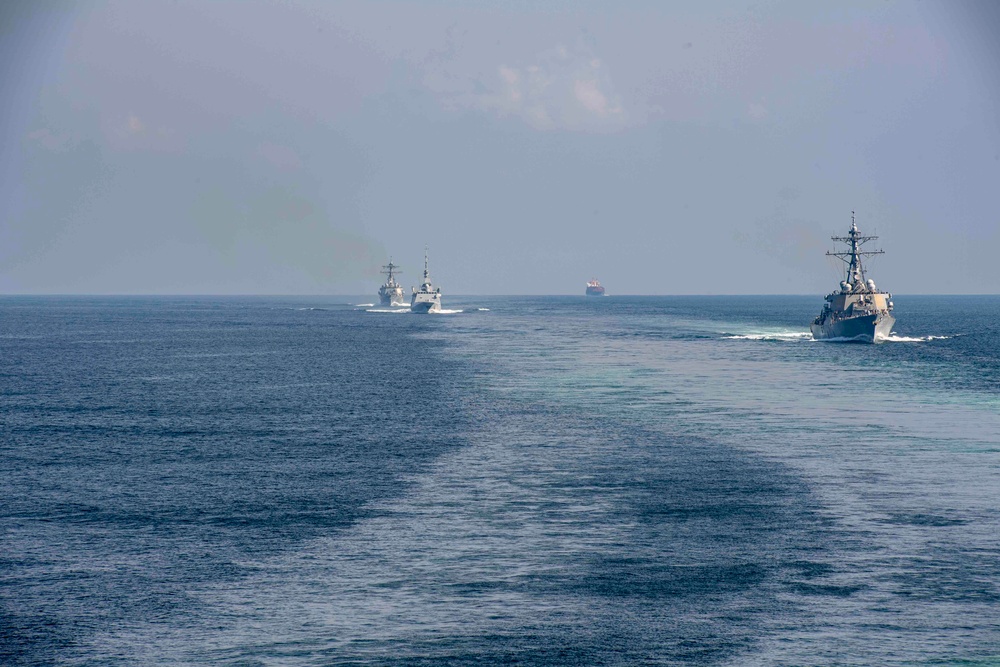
(426,299)
(858,311)
(391,292)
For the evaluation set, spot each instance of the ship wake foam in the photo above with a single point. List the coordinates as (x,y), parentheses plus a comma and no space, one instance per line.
(406,309)
(770,335)
(893,338)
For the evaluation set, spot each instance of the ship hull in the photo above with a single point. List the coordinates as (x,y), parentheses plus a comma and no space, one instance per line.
(390,301)
(861,329)
(425,304)
(391,297)
(595,291)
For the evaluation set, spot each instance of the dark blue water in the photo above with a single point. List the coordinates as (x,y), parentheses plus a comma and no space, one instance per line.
(536,481)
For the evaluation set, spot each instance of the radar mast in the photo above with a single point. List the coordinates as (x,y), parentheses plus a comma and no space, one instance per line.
(389,268)
(855,269)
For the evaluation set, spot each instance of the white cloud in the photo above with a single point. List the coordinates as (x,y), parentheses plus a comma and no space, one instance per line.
(509,75)
(134,125)
(756,110)
(512,79)
(588,93)
(561,89)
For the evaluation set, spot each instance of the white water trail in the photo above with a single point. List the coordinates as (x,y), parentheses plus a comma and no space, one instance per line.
(893,338)
(771,335)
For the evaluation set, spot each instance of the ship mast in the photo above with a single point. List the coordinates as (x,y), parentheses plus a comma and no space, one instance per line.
(855,270)
(389,268)
(427,275)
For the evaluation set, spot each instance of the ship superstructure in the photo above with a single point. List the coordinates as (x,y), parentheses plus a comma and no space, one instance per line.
(858,311)
(594,288)
(427,299)
(391,292)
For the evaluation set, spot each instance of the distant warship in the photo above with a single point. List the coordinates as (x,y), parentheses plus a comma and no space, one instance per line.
(426,299)
(858,311)
(594,288)
(391,292)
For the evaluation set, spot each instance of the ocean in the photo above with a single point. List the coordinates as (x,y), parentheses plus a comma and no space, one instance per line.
(517,481)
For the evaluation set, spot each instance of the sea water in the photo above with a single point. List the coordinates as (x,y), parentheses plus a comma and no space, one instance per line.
(519,480)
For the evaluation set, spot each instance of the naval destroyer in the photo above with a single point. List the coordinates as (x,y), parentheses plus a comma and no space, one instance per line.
(858,310)
(391,292)
(427,299)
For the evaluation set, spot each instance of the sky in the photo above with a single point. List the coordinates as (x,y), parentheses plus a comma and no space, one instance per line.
(682,147)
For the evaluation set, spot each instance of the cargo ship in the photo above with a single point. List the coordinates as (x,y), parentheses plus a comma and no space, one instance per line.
(594,288)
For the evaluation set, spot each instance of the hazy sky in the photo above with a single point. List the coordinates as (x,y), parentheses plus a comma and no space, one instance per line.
(664,147)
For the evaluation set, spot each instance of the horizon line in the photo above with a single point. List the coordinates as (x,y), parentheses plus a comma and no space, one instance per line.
(364,296)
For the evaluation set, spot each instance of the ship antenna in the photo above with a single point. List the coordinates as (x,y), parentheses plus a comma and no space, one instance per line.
(854,239)
(390,268)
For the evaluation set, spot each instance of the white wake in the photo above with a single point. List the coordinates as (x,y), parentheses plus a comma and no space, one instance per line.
(771,335)
(893,338)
